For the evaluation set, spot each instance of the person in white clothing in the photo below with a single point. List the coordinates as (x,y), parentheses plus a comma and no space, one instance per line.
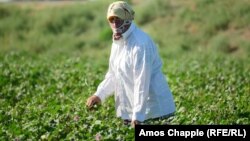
(134,76)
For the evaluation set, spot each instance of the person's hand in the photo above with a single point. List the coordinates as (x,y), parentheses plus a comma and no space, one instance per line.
(135,122)
(92,100)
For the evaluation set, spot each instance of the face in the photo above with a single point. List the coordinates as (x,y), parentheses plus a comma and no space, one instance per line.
(115,22)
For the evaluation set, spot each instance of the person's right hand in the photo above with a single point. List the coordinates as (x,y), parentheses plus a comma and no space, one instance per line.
(135,122)
(92,100)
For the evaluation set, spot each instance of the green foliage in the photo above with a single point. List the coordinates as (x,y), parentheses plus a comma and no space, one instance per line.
(106,34)
(152,10)
(4,12)
(53,58)
(211,92)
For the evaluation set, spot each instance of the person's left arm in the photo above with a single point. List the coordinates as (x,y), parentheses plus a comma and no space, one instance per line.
(142,74)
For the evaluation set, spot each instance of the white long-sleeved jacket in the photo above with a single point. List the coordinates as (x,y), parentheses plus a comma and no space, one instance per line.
(135,76)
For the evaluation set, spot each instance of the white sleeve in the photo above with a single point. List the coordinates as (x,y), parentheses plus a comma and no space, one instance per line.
(142,74)
(106,87)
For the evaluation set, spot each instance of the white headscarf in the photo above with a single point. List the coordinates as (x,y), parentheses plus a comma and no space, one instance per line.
(123,11)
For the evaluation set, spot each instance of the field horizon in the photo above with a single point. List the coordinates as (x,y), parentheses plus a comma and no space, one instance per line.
(53,57)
